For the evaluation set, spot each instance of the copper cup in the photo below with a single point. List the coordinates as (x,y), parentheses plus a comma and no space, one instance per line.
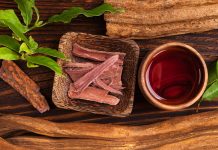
(144,87)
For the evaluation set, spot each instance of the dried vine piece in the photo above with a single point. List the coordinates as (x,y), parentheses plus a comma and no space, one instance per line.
(15,77)
(198,131)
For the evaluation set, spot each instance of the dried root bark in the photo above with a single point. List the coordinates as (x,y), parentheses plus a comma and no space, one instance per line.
(45,143)
(150,31)
(143,17)
(16,78)
(198,142)
(51,129)
(151,19)
(190,132)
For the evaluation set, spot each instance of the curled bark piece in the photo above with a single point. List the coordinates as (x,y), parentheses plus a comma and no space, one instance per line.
(16,78)
(154,31)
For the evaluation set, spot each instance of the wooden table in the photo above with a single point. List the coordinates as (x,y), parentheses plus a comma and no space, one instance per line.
(143,113)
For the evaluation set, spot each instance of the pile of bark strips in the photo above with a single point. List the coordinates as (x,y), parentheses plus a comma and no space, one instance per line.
(95,75)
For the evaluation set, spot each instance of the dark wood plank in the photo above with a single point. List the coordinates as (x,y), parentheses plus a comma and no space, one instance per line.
(143,113)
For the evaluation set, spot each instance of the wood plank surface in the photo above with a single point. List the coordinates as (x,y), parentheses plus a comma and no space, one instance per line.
(143,113)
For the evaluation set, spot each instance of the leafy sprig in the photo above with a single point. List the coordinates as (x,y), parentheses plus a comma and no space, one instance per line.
(21,47)
(211,91)
(67,15)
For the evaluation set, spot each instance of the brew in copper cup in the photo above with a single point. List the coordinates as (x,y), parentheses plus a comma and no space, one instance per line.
(173,76)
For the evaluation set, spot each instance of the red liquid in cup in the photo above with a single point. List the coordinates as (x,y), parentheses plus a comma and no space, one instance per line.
(174,76)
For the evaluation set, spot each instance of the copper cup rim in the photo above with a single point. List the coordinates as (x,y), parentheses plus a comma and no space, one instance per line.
(146,92)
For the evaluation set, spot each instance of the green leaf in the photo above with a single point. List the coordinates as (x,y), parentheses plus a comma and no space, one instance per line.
(25,7)
(7,54)
(67,15)
(33,43)
(50,52)
(9,42)
(17,32)
(45,61)
(25,48)
(211,92)
(31,65)
(2,25)
(9,17)
(212,73)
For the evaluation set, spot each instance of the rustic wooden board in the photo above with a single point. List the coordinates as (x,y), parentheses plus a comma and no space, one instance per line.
(143,113)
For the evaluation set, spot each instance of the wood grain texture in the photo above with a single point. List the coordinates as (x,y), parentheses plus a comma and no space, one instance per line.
(8,146)
(164,16)
(181,143)
(190,132)
(139,5)
(137,31)
(101,43)
(161,18)
(143,113)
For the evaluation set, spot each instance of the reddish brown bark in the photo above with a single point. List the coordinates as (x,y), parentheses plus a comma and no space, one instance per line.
(93,94)
(16,78)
